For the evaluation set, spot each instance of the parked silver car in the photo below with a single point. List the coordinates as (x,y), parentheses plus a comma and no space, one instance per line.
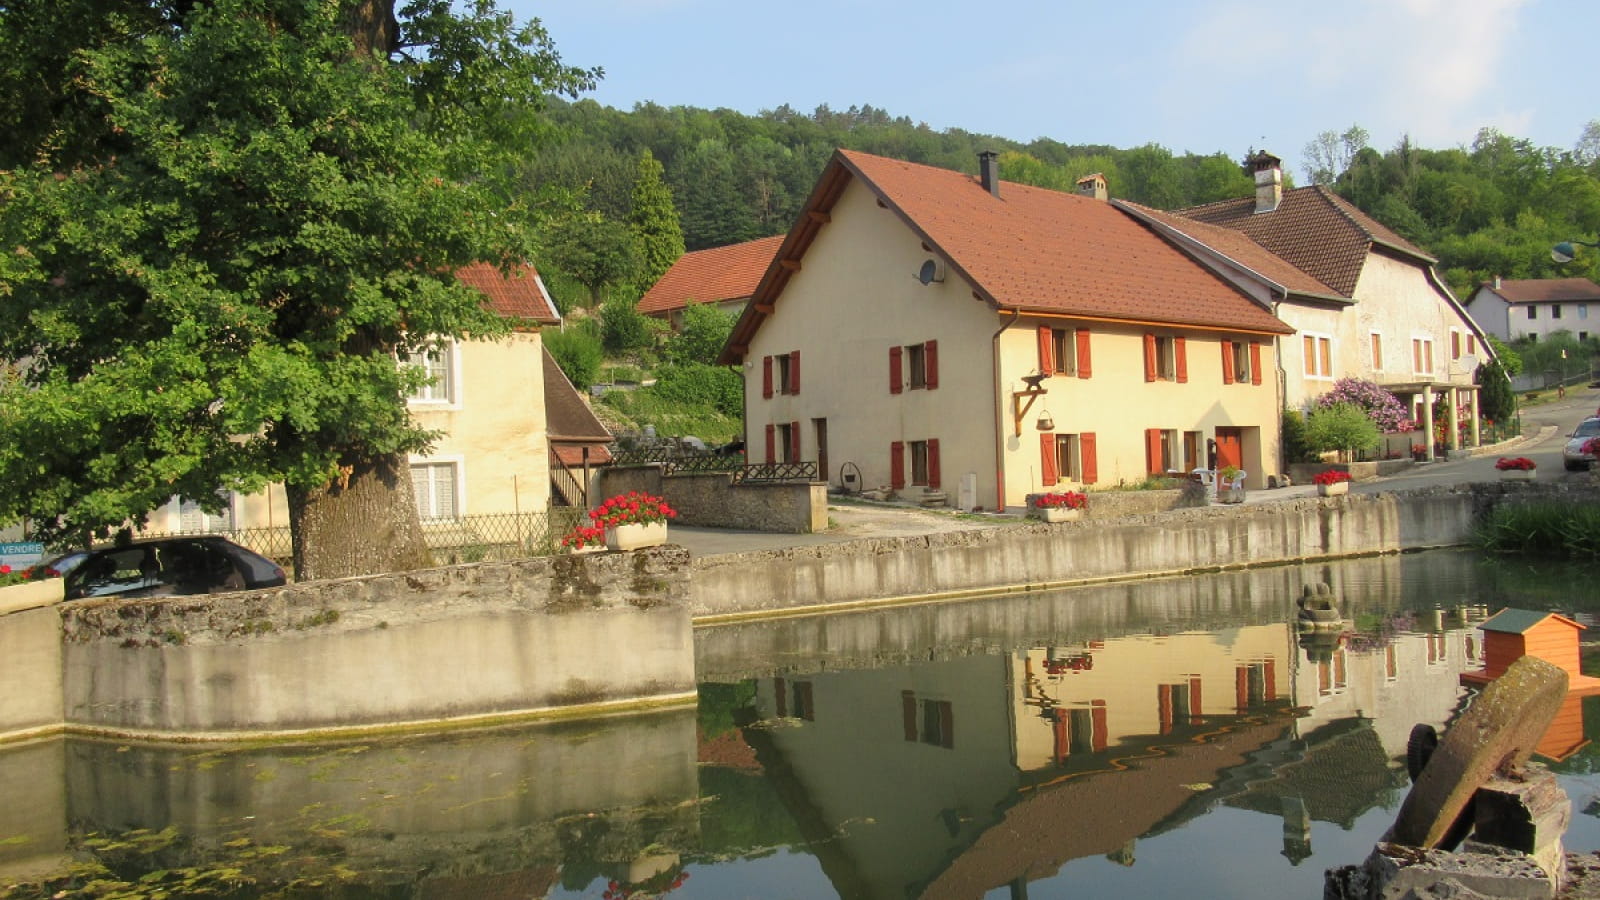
(1572,455)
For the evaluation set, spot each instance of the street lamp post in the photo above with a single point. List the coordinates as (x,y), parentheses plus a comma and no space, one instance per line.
(1565,252)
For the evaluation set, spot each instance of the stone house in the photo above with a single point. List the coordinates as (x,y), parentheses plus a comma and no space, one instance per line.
(1363,302)
(991,340)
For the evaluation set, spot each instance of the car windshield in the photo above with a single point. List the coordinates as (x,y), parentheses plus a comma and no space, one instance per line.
(1587,428)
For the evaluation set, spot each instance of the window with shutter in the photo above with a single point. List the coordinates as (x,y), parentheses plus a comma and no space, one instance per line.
(766,377)
(1082,361)
(794,442)
(916,366)
(897,465)
(930,362)
(1047,361)
(1255,362)
(793,387)
(1086,453)
(1153,463)
(919,463)
(1048,474)
(1149,357)
(438,361)
(1180,352)
(934,479)
(1227,362)
(772,445)
(895,374)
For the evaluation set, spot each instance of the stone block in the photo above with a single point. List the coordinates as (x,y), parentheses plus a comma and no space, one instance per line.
(1398,873)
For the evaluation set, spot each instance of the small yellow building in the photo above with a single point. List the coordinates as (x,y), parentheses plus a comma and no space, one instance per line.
(935,332)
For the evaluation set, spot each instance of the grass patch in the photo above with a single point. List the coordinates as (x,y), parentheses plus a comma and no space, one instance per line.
(1545,528)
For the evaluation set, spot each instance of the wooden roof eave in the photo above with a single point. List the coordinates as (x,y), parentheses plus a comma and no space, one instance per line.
(1144,323)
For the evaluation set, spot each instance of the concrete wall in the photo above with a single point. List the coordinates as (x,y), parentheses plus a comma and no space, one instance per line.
(711,499)
(1035,556)
(468,643)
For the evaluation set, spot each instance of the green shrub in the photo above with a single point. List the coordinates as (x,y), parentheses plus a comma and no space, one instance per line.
(624,328)
(705,329)
(1545,528)
(577,352)
(718,387)
(1296,446)
(1344,427)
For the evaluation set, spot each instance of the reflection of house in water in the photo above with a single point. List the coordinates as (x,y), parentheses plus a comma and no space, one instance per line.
(958,777)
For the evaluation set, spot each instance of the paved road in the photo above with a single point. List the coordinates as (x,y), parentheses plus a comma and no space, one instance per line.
(1546,427)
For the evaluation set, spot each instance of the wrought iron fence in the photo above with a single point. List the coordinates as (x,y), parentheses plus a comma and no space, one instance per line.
(672,461)
(765,473)
(464,540)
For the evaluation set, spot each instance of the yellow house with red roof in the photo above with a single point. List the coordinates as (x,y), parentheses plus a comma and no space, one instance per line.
(487,400)
(725,276)
(939,332)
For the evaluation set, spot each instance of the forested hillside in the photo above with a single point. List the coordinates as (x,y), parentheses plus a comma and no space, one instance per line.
(1492,208)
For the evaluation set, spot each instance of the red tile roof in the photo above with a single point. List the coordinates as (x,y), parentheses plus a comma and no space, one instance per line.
(1313,229)
(518,296)
(1545,290)
(709,276)
(1040,250)
(1238,247)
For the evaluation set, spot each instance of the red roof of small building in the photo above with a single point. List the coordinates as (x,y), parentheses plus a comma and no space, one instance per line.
(520,295)
(1029,249)
(711,276)
(1544,290)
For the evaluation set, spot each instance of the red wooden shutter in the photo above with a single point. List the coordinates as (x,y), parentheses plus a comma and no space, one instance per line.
(894,370)
(794,441)
(1149,357)
(766,377)
(1083,353)
(930,364)
(1091,467)
(1152,451)
(1047,459)
(1227,362)
(933,463)
(794,371)
(897,465)
(1047,361)
(1180,349)
(1255,362)
(772,447)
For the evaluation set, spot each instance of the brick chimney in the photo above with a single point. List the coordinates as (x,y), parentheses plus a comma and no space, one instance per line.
(1093,186)
(989,171)
(1268,173)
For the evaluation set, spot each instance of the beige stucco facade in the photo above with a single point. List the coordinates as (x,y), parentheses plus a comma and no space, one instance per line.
(857,296)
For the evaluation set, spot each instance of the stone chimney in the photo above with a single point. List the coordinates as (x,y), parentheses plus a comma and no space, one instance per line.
(1268,172)
(989,171)
(1092,186)
(1497,282)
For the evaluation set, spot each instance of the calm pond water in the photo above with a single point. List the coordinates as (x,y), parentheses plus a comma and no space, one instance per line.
(1118,741)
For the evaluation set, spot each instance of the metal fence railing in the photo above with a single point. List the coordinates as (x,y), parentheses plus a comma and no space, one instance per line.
(464,540)
(768,473)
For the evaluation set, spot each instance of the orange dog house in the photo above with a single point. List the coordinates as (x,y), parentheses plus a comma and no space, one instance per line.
(1511,634)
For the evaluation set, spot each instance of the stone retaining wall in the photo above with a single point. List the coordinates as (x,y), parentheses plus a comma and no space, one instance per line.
(466,643)
(711,499)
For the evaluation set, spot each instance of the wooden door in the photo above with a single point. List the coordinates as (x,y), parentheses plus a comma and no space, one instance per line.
(1230,448)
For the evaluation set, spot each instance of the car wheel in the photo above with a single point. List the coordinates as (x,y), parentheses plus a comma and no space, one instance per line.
(1575,467)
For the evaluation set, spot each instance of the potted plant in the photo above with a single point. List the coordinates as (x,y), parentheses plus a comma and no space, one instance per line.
(585,539)
(1332,482)
(1515,468)
(633,520)
(1230,486)
(28,588)
(1060,506)
(1419,452)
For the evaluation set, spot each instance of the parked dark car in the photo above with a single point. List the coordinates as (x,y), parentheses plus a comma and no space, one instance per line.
(167,567)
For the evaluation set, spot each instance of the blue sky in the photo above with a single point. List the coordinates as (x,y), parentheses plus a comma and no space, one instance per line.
(1199,76)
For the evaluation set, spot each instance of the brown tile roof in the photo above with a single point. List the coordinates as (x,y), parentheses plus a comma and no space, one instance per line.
(1238,247)
(1313,229)
(1040,250)
(569,422)
(1545,290)
(518,296)
(709,276)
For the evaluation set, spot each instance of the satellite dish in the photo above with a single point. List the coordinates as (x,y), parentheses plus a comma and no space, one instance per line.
(931,272)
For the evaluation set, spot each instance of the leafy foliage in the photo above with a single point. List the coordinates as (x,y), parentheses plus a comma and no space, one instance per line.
(1296,445)
(1343,427)
(1547,529)
(226,225)
(705,329)
(624,328)
(1496,400)
(695,383)
(654,219)
(595,252)
(1383,408)
(577,351)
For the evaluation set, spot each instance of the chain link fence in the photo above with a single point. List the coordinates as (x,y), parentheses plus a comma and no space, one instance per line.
(468,539)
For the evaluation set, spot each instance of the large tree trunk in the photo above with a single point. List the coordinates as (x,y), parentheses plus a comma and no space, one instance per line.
(364,522)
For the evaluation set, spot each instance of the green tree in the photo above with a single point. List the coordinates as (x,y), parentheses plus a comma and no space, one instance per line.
(1509,359)
(1496,400)
(655,221)
(224,222)
(699,340)
(623,327)
(578,352)
(595,252)
(1342,427)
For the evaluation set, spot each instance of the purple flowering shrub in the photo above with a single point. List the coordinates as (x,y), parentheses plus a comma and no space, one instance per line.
(1384,408)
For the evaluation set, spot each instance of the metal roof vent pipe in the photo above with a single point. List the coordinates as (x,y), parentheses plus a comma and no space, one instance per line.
(989,171)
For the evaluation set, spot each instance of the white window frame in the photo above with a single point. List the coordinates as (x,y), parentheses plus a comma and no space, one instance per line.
(1166,357)
(458,466)
(1312,367)
(435,395)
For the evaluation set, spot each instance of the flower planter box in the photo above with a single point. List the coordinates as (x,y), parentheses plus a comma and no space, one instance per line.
(1332,490)
(1057,514)
(632,537)
(1517,474)
(30,594)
